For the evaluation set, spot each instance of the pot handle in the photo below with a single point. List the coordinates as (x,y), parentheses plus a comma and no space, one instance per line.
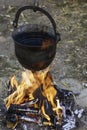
(34,8)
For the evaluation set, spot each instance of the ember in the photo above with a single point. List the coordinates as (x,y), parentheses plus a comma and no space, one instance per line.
(37,100)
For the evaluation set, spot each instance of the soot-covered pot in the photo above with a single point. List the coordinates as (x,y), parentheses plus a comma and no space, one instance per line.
(35,45)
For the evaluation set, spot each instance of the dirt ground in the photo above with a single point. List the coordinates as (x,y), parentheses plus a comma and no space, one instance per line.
(69,68)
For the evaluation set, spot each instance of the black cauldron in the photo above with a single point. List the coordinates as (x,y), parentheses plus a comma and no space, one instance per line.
(35,45)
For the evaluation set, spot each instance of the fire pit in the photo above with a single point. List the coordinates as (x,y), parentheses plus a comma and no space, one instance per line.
(36,99)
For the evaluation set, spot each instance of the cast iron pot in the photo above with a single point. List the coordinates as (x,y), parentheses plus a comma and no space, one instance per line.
(35,45)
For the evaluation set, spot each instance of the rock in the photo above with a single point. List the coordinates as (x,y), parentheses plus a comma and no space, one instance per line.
(82,98)
(72,84)
(76,87)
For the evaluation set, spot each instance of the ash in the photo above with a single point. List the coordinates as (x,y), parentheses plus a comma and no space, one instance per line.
(71,114)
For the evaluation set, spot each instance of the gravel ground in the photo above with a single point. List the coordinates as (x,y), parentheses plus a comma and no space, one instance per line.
(69,68)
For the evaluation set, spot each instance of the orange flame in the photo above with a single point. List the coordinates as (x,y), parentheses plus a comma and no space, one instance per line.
(26,90)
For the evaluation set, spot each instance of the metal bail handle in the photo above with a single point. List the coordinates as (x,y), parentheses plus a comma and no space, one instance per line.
(34,8)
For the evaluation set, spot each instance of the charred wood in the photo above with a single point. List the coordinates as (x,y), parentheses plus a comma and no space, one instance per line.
(21,110)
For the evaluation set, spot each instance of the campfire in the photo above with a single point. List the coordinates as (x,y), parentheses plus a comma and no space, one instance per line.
(36,99)
(33,96)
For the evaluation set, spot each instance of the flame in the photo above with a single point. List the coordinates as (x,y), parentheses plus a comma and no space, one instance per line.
(34,85)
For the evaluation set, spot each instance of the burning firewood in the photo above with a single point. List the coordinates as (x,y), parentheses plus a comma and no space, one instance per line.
(34,85)
(36,99)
